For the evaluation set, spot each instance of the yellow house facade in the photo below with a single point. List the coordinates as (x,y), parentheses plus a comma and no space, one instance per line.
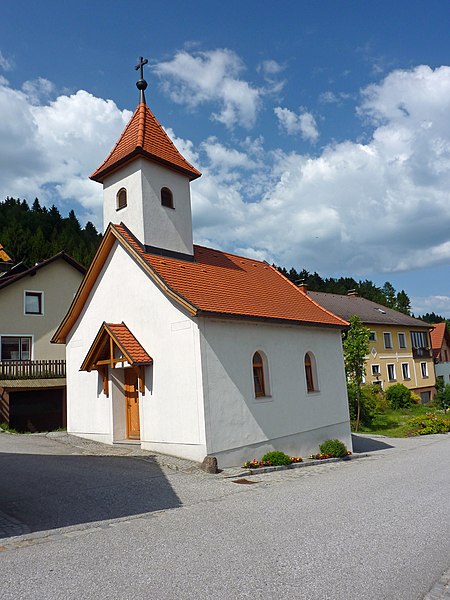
(400,345)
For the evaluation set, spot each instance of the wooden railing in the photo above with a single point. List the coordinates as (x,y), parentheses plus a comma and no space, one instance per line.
(32,369)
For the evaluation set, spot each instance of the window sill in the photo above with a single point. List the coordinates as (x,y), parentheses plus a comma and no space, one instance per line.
(262,399)
(313,393)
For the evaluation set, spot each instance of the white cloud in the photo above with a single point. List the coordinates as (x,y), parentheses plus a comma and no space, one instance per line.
(437,304)
(49,150)
(38,90)
(354,208)
(211,77)
(303,123)
(5,63)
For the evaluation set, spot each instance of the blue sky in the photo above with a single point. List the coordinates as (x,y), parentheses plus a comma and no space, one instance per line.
(322,128)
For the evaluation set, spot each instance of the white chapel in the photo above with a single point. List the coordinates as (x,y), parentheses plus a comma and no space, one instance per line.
(187,350)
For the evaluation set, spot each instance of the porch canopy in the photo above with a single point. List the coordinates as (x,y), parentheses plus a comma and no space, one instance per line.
(114,344)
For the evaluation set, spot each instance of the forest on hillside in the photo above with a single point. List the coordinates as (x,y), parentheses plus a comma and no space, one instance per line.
(34,233)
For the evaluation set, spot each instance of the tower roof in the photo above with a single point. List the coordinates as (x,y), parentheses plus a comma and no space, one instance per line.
(144,137)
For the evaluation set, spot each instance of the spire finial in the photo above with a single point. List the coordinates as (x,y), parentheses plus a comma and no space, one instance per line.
(141,84)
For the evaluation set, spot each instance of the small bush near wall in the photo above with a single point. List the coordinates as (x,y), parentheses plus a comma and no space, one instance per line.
(334,448)
(276,458)
(399,396)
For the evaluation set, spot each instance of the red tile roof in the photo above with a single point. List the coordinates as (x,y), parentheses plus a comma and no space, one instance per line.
(437,336)
(226,284)
(144,136)
(128,343)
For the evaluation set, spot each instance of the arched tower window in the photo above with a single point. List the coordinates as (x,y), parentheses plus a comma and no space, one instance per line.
(166,197)
(311,373)
(259,379)
(121,199)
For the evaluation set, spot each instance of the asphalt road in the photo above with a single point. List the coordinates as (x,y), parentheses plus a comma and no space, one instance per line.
(376,528)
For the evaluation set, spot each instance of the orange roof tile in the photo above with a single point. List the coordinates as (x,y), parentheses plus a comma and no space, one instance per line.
(437,335)
(226,284)
(144,136)
(4,257)
(131,350)
(128,343)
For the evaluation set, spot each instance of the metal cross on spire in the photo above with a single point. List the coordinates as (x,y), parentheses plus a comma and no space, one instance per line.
(141,84)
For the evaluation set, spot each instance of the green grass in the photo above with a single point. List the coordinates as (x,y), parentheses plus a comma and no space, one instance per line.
(6,427)
(394,423)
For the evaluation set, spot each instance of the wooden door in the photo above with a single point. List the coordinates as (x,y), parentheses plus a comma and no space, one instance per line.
(132,404)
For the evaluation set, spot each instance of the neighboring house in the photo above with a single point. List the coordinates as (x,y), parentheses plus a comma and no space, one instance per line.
(440,341)
(184,349)
(32,371)
(6,261)
(400,346)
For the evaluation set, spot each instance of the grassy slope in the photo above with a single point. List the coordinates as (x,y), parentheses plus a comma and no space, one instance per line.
(393,423)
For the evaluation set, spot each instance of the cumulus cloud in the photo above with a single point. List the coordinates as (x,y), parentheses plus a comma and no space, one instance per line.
(49,150)
(356,208)
(352,208)
(437,304)
(294,124)
(5,63)
(211,77)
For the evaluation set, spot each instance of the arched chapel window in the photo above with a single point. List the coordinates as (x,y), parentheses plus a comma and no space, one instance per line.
(258,375)
(166,197)
(311,373)
(121,198)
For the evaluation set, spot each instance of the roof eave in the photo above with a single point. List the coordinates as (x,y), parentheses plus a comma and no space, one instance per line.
(100,174)
(274,320)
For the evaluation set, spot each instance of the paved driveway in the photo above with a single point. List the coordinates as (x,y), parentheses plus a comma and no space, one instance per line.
(377,528)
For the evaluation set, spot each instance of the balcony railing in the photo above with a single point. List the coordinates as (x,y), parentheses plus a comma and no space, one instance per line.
(422,352)
(32,369)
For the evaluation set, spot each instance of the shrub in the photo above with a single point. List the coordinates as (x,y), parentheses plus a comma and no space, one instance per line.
(428,423)
(334,448)
(399,396)
(373,402)
(276,458)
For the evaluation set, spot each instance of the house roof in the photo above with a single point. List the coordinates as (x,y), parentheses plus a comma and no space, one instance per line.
(130,349)
(8,279)
(215,283)
(144,136)
(369,312)
(4,256)
(438,333)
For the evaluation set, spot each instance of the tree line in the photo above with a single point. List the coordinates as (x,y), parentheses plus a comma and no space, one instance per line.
(386,295)
(34,233)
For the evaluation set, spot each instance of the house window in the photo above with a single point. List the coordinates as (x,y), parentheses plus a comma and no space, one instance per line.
(375,370)
(387,340)
(372,336)
(311,373)
(258,375)
(15,348)
(401,340)
(391,372)
(121,199)
(34,303)
(166,197)
(424,369)
(419,339)
(405,371)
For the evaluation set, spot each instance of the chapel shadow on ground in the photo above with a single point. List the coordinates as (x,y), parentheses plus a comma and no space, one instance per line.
(367,444)
(52,491)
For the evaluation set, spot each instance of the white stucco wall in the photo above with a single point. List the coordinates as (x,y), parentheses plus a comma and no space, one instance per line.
(150,222)
(241,427)
(171,410)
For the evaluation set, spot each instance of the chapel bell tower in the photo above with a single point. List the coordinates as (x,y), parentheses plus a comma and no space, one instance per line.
(146,183)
